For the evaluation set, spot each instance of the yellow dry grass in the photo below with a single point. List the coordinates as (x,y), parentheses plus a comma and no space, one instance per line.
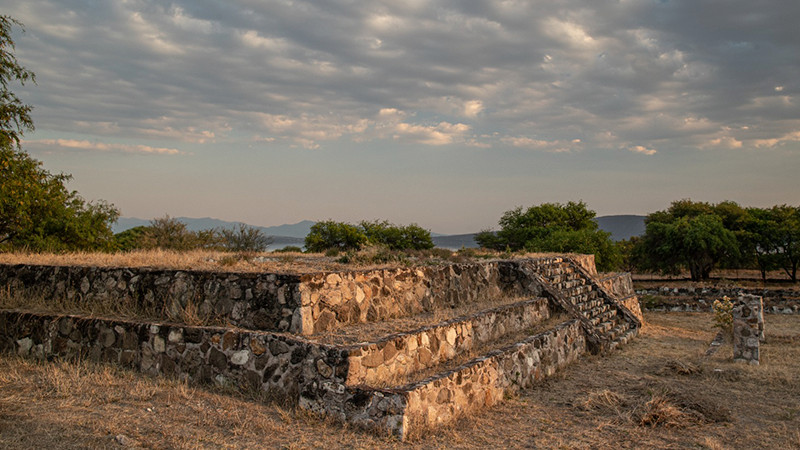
(598,403)
(208,260)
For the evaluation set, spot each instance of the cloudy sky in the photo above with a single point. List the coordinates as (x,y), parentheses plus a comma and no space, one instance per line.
(443,113)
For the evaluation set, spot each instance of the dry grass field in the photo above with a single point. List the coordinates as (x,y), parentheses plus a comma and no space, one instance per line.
(656,392)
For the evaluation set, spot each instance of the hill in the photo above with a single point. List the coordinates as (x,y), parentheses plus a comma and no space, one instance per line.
(295,230)
(622,226)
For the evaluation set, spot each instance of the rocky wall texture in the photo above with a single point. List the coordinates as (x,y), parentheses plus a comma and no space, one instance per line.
(443,398)
(249,300)
(280,365)
(331,300)
(484,381)
(714,293)
(772,305)
(402,354)
(748,328)
(621,286)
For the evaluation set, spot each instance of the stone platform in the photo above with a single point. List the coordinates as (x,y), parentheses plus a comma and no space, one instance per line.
(557,309)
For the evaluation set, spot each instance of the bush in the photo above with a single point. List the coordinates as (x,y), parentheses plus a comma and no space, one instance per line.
(289,249)
(38,212)
(131,239)
(553,227)
(409,237)
(244,238)
(723,314)
(334,235)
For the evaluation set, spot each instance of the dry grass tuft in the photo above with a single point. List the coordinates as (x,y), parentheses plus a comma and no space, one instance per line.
(682,368)
(604,401)
(660,411)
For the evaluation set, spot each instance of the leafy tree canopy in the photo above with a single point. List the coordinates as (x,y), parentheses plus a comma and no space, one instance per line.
(553,227)
(689,235)
(334,235)
(14,115)
(38,212)
(344,236)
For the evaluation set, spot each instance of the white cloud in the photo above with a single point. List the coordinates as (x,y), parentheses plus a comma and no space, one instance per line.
(472,108)
(772,142)
(442,134)
(642,150)
(105,147)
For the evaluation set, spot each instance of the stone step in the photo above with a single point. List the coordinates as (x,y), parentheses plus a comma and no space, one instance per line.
(624,336)
(597,310)
(481,349)
(604,327)
(562,277)
(579,300)
(589,304)
(447,395)
(384,361)
(606,316)
(577,289)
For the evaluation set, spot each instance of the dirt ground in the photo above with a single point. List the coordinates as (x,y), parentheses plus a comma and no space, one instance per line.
(656,392)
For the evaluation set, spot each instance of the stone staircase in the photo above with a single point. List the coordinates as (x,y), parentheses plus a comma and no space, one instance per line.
(606,322)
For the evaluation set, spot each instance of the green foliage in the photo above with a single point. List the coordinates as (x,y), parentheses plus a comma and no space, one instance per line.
(340,236)
(39,213)
(14,115)
(771,238)
(168,233)
(409,237)
(244,238)
(130,239)
(334,235)
(686,239)
(553,227)
(289,249)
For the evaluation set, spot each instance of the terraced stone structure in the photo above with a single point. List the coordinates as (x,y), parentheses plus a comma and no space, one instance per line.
(320,340)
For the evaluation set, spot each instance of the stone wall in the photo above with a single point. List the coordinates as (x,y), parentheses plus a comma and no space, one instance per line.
(401,354)
(621,286)
(332,300)
(484,381)
(748,328)
(302,304)
(776,301)
(440,399)
(249,300)
(275,363)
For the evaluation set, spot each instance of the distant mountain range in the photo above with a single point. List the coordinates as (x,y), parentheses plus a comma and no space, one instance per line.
(621,227)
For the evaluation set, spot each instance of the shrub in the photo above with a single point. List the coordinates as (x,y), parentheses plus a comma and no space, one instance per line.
(334,235)
(244,238)
(289,249)
(408,237)
(723,314)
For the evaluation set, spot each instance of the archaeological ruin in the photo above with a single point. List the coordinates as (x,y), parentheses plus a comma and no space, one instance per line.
(390,350)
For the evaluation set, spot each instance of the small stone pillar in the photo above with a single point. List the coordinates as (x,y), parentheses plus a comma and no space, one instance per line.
(748,328)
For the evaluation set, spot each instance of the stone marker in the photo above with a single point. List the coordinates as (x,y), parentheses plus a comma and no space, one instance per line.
(748,328)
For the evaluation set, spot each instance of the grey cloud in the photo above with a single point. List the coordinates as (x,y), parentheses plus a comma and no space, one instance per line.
(552,70)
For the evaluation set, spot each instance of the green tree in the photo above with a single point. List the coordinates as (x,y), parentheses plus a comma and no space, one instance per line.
(782,236)
(14,115)
(409,237)
(169,233)
(131,239)
(689,235)
(757,240)
(38,212)
(244,238)
(334,235)
(553,227)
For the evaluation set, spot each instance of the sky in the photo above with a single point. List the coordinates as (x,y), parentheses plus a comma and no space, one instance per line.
(440,113)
